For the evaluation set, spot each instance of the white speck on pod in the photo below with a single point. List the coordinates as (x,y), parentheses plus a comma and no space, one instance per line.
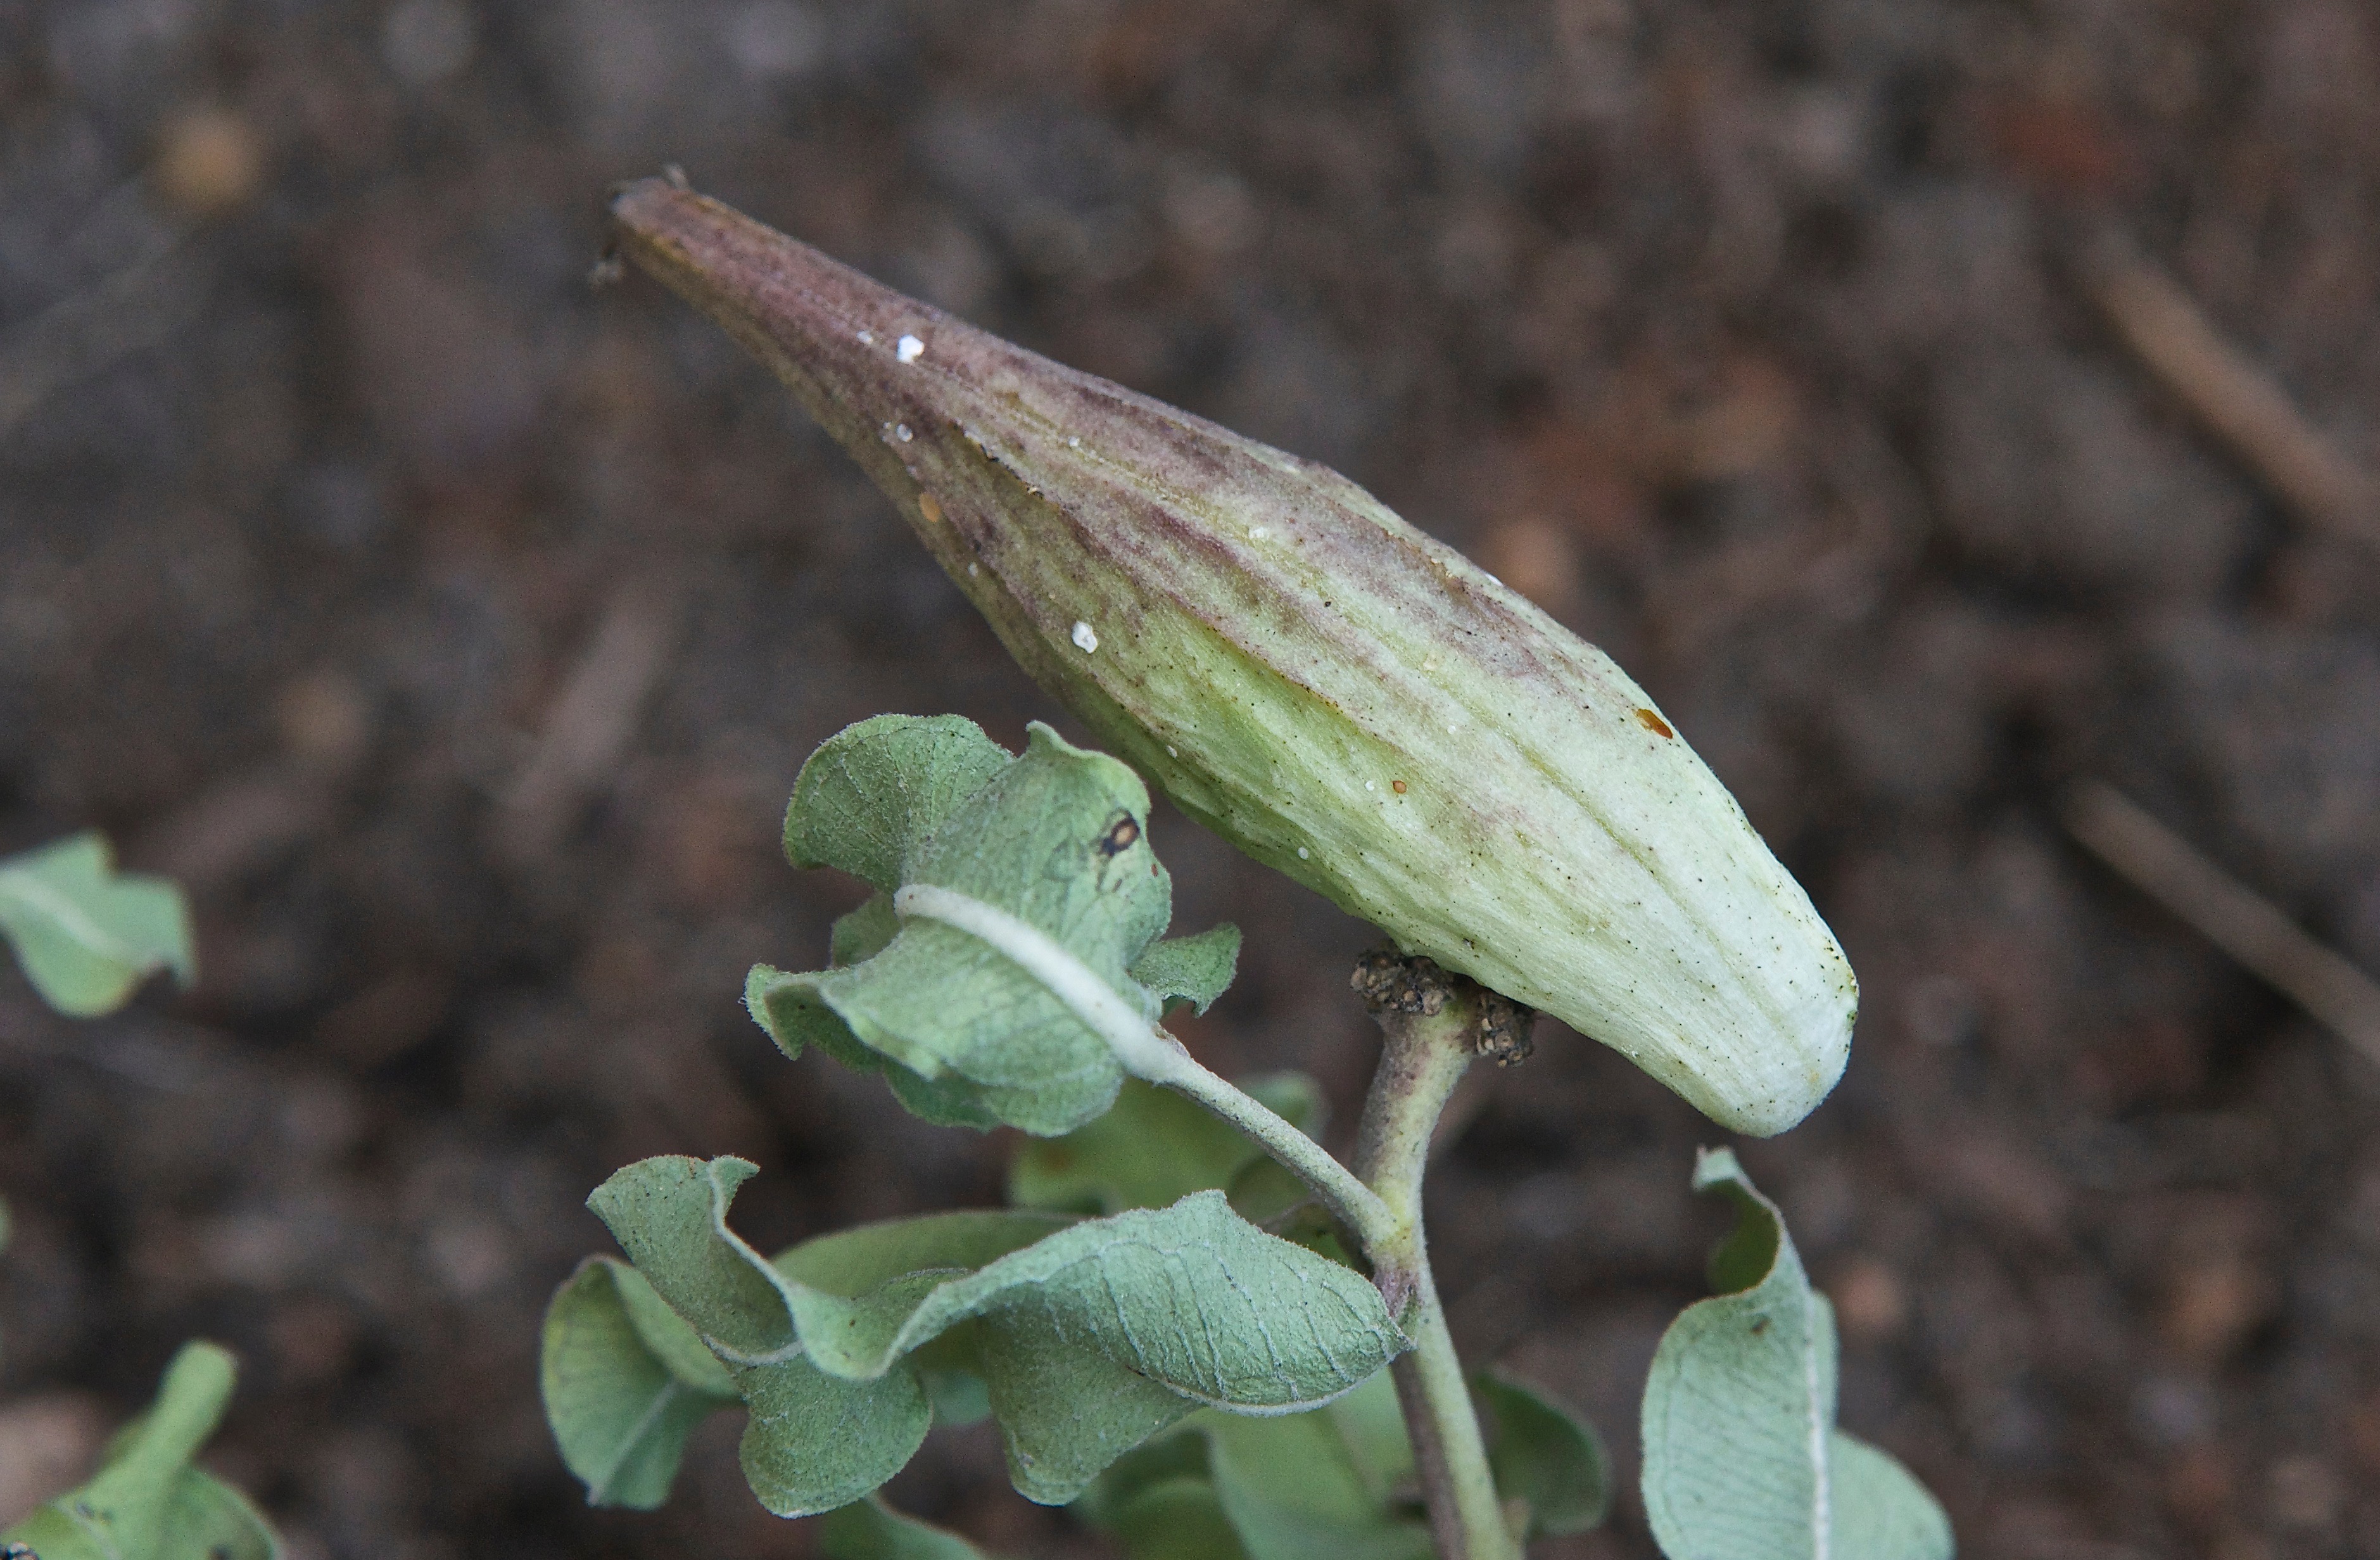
(973,569)
(1085,640)
(1257,533)
(1301,853)
(1369,786)
(909,349)
(1072,442)
(868,338)
(901,431)
(1172,752)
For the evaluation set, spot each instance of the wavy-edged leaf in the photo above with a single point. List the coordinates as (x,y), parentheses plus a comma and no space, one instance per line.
(1152,1148)
(1192,970)
(1741,1457)
(625,1383)
(817,1442)
(87,935)
(790,1008)
(1089,1337)
(870,1530)
(872,791)
(1547,1454)
(147,1502)
(1056,837)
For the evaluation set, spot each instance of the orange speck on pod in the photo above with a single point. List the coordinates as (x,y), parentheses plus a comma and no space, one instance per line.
(930,510)
(1654,723)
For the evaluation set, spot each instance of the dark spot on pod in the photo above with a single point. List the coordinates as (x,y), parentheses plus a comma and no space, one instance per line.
(1760,1326)
(1121,837)
(1654,723)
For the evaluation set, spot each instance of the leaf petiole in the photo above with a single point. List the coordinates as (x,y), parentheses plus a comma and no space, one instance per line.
(1146,1052)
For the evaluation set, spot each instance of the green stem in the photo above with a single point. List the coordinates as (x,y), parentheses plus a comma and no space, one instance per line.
(1432,1025)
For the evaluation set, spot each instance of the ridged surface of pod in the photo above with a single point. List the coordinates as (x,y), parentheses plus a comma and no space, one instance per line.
(1336,693)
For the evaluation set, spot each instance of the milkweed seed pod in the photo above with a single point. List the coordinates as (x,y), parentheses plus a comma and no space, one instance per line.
(1334,692)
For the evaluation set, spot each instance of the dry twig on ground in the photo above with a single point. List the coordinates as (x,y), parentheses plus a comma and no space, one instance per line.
(2233,918)
(2234,397)
(595,718)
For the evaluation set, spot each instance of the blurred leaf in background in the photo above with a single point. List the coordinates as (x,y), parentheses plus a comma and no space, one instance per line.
(86,935)
(147,1502)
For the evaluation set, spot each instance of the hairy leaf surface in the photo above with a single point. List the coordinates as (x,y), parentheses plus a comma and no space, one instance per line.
(1192,970)
(1056,837)
(625,1382)
(874,790)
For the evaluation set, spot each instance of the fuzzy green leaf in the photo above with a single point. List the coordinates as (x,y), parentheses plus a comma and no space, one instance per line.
(1741,1457)
(87,935)
(1153,1149)
(1296,1487)
(1335,1482)
(1192,970)
(1057,838)
(816,1442)
(872,791)
(625,1382)
(1088,1337)
(1545,1454)
(870,1530)
(147,1502)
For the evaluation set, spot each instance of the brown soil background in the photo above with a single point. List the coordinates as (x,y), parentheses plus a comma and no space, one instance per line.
(1737,335)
